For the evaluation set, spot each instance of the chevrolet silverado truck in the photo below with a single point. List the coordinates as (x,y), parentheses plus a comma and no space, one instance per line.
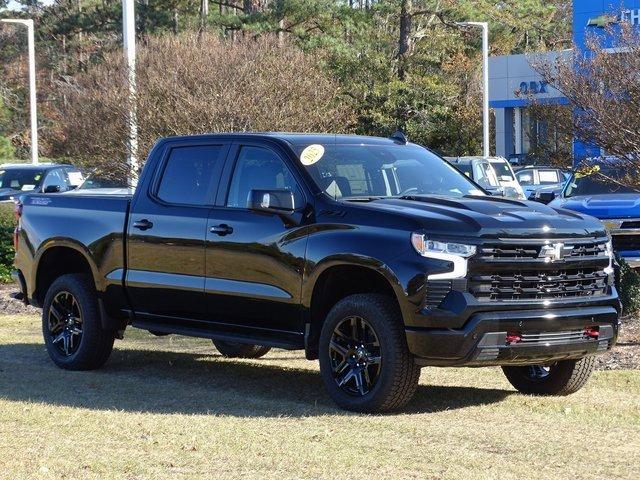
(373,255)
(616,205)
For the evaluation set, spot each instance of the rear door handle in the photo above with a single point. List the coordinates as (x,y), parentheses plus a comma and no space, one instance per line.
(222,230)
(143,224)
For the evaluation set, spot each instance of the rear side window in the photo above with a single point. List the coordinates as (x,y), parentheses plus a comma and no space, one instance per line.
(188,175)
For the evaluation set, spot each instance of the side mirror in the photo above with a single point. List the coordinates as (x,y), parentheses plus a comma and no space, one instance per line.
(272,201)
(545,197)
(495,191)
(52,189)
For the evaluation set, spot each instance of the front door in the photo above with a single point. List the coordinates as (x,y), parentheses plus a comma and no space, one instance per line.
(167,230)
(255,260)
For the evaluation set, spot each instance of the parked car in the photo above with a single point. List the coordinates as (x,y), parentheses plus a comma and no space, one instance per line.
(616,205)
(547,179)
(482,172)
(41,178)
(373,255)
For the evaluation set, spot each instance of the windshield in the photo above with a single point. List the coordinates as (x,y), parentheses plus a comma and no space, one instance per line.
(596,184)
(503,170)
(382,171)
(26,179)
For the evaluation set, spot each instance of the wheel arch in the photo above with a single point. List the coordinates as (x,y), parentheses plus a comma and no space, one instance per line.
(336,279)
(58,257)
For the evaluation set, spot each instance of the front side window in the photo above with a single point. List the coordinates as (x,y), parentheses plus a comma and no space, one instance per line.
(259,169)
(486,175)
(549,177)
(189,174)
(525,178)
(348,171)
(55,177)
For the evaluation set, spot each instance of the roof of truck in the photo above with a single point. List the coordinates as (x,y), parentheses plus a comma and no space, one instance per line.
(304,138)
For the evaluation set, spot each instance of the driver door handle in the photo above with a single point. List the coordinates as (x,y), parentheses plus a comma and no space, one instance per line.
(143,224)
(222,230)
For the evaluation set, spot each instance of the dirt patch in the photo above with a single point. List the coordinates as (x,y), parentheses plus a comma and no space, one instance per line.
(10,305)
(626,354)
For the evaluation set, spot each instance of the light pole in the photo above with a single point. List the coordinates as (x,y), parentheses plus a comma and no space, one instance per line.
(32,84)
(129,41)
(485,75)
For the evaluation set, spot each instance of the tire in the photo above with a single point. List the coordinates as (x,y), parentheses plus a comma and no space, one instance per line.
(388,376)
(70,305)
(240,350)
(561,378)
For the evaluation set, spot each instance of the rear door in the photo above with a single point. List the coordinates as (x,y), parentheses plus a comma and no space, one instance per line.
(167,229)
(255,266)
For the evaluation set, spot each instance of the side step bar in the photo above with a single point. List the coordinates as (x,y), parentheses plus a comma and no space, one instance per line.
(228,333)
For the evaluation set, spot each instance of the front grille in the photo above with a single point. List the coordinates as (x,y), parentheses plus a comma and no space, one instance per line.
(533,285)
(623,243)
(509,272)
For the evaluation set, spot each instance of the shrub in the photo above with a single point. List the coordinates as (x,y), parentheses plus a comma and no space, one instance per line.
(190,84)
(6,149)
(6,241)
(629,288)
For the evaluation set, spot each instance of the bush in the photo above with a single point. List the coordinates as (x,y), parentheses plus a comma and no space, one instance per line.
(629,288)
(190,84)
(6,241)
(6,149)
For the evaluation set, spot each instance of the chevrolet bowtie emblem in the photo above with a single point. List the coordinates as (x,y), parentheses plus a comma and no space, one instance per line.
(554,252)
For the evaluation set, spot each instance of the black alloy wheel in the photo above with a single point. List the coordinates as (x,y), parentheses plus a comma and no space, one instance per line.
(65,323)
(355,355)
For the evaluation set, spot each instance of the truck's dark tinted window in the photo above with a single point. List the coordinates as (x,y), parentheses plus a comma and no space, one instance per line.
(188,175)
(258,169)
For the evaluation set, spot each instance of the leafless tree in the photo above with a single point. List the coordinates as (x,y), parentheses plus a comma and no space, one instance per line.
(190,84)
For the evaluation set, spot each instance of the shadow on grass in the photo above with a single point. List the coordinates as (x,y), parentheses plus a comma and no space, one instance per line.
(190,383)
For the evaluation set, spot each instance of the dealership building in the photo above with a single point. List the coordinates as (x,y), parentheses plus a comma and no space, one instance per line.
(514,84)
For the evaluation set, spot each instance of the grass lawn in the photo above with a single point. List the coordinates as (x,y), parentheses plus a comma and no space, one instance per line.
(172,408)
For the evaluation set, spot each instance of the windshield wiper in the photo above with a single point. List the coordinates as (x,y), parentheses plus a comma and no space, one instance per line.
(365,198)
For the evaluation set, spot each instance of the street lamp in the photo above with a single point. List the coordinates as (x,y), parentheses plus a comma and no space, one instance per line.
(32,84)
(485,75)
(129,41)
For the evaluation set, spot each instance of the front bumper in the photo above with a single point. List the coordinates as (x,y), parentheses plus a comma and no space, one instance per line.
(548,335)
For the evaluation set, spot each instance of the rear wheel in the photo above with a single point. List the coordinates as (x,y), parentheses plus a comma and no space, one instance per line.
(561,378)
(364,360)
(240,350)
(71,325)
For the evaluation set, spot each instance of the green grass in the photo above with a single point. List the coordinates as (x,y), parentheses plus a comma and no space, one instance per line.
(172,408)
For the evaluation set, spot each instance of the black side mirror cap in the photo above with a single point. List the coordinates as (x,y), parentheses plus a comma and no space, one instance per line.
(52,189)
(545,197)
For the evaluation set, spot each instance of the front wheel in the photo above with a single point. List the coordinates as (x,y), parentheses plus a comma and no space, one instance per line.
(561,378)
(364,360)
(71,325)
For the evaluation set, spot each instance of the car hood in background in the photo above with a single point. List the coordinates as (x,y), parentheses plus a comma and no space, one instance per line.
(491,217)
(614,205)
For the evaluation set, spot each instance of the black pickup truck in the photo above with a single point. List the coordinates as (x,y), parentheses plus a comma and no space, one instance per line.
(373,255)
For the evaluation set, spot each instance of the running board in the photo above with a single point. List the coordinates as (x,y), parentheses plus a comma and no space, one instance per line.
(228,333)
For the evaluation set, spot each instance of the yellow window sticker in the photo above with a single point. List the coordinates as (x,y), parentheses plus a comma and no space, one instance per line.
(311,154)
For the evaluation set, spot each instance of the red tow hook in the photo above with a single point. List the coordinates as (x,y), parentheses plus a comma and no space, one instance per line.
(513,337)
(592,332)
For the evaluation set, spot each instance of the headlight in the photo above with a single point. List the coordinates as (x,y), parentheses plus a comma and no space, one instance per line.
(456,253)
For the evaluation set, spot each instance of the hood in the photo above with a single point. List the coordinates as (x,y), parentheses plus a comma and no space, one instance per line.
(614,205)
(490,217)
